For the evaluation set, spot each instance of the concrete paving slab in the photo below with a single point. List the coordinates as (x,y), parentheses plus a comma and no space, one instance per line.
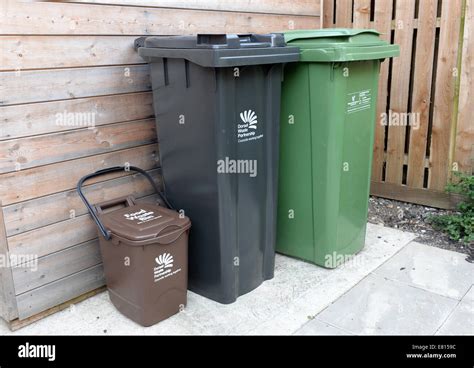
(438,270)
(279,306)
(461,320)
(320,328)
(379,306)
(381,244)
(469,295)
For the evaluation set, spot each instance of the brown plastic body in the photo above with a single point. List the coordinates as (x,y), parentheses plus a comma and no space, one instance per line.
(146,259)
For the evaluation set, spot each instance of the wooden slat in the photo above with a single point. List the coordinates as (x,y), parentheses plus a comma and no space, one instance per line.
(8,308)
(464,152)
(424,197)
(43,211)
(32,183)
(301,7)
(415,21)
(57,19)
(421,99)
(60,291)
(52,238)
(16,324)
(362,13)
(383,23)
(444,95)
(41,52)
(56,237)
(42,118)
(328,13)
(24,153)
(399,94)
(344,13)
(59,84)
(56,266)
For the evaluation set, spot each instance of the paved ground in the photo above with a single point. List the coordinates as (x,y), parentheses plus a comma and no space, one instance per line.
(420,291)
(394,286)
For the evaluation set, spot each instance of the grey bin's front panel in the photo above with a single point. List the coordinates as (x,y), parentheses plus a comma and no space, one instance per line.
(231,245)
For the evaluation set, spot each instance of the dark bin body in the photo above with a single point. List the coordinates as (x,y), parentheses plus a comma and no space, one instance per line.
(145,262)
(232,244)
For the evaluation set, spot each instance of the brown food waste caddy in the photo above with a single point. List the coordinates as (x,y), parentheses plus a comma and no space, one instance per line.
(144,249)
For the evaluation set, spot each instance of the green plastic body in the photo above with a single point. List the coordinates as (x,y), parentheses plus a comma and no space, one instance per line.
(327,131)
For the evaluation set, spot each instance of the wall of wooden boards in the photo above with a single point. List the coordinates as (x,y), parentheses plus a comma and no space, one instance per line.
(74,98)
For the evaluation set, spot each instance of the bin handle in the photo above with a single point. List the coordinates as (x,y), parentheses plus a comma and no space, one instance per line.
(106,233)
(128,201)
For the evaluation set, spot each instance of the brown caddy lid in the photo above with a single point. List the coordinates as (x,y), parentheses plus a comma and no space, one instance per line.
(143,222)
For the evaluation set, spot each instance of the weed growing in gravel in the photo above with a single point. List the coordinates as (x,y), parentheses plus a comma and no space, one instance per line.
(459,225)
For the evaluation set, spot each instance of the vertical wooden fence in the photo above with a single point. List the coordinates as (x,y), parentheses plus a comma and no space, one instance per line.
(425,95)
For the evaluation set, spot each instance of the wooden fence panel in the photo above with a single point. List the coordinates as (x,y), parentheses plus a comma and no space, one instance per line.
(399,93)
(57,116)
(60,291)
(36,182)
(84,19)
(297,7)
(60,84)
(445,91)
(52,238)
(40,52)
(383,23)
(56,266)
(24,153)
(421,100)
(362,13)
(344,13)
(464,144)
(328,13)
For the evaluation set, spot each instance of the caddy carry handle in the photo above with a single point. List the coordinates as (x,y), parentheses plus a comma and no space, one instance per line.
(93,212)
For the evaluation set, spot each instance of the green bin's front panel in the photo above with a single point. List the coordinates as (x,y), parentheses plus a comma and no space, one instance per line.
(295,198)
(326,159)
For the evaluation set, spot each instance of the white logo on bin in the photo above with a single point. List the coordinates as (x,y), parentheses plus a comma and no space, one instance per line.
(249,117)
(247,128)
(165,260)
(164,267)
(142,216)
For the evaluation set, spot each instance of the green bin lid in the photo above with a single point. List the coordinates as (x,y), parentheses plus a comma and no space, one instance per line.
(344,44)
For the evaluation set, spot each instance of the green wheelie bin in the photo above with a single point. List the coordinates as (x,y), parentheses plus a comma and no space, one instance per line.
(328,116)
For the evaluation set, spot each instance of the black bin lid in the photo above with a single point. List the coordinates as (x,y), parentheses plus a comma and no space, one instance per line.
(219,50)
(216,41)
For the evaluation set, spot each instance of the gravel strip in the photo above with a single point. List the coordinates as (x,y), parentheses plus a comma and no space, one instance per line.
(413,218)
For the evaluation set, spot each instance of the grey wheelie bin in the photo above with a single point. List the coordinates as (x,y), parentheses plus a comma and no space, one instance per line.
(217,106)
